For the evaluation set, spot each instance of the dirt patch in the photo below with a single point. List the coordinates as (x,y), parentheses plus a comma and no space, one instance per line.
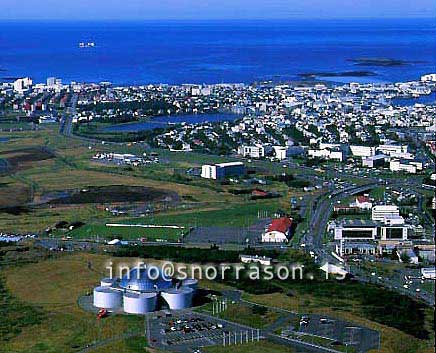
(24,158)
(112,194)
(13,197)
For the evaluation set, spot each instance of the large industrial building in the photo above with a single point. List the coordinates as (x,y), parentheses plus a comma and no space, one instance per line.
(142,291)
(222,170)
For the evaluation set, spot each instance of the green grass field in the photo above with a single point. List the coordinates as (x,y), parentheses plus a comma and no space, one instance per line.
(64,327)
(245,315)
(238,216)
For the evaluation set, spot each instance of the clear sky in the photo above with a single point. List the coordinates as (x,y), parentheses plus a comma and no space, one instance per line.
(213,9)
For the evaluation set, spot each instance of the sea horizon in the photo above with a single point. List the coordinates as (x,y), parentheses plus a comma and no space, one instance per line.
(129,52)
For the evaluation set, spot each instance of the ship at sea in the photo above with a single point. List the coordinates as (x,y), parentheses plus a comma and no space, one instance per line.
(86,45)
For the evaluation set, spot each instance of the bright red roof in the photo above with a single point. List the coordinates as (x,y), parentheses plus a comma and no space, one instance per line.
(259,192)
(280,225)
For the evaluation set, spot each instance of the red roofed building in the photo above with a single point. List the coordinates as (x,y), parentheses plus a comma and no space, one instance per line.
(363,202)
(259,193)
(278,231)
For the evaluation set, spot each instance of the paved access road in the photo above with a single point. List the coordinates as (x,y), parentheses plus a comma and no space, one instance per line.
(66,123)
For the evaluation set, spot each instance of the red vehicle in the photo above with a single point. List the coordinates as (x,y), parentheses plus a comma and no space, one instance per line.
(102,313)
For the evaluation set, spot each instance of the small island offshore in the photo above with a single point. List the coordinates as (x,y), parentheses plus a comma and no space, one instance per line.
(383,62)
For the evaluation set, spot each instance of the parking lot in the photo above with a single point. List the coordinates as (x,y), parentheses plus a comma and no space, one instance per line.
(188,331)
(340,332)
(228,235)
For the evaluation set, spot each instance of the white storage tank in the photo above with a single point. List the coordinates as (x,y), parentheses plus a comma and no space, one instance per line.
(107,298)
(178,298)
(190,283)
(140,303)
(107,282)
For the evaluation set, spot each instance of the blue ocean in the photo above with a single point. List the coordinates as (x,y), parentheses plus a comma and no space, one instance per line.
(177,52)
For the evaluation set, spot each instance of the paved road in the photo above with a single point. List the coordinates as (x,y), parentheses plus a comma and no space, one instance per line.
(66,123)
(321,211)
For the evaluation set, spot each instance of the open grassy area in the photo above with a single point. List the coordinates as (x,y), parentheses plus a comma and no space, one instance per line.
(384,269)
(378,193)
(245,314)
(127,345)
(71,168)
(232,215)
(92,231)
(54,286)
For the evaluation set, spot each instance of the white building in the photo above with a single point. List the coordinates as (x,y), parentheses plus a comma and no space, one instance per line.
(388,149)
(391,220)
(362,151)
(22,84)
(326,153)
(397,165)
(222,170)
(380,212)
(356,230)
(428,272)
(395,233)
(364,237)
(263,260)
(252,151)
(429,77)
(331,146)
(280,152)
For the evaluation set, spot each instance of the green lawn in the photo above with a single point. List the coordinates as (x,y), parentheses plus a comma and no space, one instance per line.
(237,215)
(244,314)
(64,326)
(378,193)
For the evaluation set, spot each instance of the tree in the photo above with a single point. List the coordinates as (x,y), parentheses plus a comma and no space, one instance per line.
(259,310)
(404,257)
